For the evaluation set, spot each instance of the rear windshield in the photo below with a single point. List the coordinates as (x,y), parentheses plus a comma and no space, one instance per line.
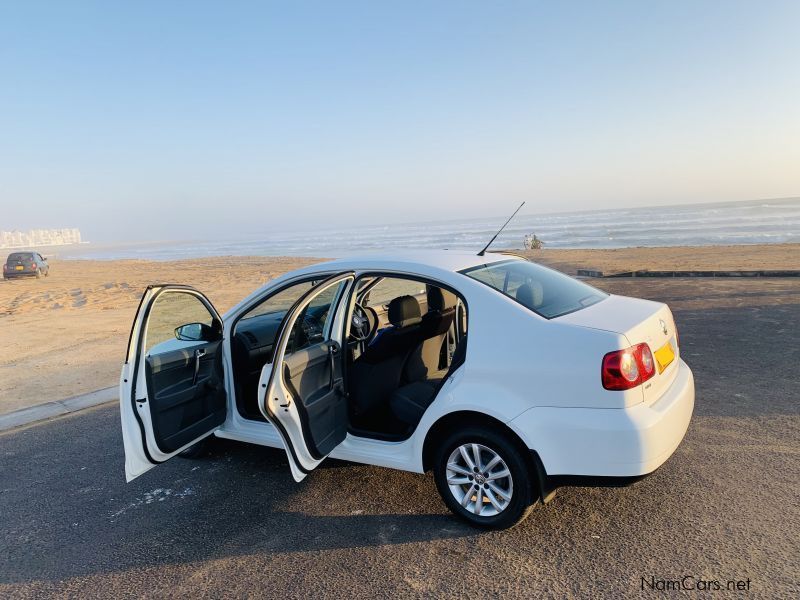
(546,292)
(20,256)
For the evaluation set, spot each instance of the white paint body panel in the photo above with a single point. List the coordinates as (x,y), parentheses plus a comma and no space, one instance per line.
(540,377)
(617,442)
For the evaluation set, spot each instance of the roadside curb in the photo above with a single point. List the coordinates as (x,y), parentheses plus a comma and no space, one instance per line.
(57,408)
(648,273)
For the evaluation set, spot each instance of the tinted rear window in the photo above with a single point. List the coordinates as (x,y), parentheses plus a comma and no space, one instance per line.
(20,256)
(546,292)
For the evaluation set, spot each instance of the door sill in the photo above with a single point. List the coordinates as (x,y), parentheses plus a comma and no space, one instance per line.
(260,433)
(380,436)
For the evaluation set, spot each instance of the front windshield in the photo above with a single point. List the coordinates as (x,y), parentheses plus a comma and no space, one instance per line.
(546,292)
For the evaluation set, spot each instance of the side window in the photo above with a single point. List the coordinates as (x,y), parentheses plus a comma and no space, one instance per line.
(170,311)
(259,327)
(280,302)
(256,332)
(544,291)
(393,287)
(310,326)
(495,278)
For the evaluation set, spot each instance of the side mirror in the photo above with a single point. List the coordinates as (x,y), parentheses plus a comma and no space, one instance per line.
(196,332)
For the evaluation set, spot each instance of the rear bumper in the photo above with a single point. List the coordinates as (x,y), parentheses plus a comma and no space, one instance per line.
(625,442)
(12,274)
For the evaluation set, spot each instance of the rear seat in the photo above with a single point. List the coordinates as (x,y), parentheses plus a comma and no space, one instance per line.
(409,402)
(424,361)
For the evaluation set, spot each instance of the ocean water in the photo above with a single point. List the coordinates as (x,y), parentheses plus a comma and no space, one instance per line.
(757,222)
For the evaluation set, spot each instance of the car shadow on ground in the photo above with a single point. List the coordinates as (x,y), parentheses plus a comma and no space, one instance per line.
(238,499)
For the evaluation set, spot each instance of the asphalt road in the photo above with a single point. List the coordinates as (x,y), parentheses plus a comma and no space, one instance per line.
(726,506)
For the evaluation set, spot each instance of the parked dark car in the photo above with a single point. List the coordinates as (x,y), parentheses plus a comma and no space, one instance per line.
(25,264)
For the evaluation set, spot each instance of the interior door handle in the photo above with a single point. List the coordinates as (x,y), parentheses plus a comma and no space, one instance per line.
(198,354)
(332,351)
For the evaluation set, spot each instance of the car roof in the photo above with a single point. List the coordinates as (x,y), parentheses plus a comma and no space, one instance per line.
(447,260)
(419,262)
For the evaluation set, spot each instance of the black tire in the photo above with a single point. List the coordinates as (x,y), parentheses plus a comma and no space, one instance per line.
(199,450)
(38,273)
(522,479)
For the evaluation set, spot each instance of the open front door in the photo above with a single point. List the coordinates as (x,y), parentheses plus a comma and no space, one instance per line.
(171,389)
(301,391)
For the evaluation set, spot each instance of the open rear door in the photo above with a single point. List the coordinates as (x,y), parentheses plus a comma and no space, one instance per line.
(171,389)
(301,392)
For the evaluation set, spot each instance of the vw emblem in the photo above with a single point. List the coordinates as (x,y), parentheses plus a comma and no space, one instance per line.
(663,326)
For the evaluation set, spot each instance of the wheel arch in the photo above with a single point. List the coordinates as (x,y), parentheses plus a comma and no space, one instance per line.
(464,418)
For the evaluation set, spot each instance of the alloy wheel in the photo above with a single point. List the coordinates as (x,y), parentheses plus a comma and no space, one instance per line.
(479,479)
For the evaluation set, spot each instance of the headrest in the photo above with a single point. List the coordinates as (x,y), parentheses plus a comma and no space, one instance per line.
(439,299)
(404,311)
(531,294)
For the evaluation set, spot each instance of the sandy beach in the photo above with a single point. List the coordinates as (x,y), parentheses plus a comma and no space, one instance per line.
(65,335)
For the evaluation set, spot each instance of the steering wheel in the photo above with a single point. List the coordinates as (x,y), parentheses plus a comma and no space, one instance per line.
(361,326)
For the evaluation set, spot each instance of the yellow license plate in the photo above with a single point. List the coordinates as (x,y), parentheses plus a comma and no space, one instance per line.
(19,267)
(664,356)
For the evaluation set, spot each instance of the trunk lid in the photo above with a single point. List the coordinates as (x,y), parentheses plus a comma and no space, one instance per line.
(640,321)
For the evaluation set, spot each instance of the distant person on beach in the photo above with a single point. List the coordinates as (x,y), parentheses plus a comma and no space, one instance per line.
(532,242)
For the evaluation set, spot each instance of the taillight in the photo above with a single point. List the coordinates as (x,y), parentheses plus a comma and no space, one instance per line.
(625,369)
(647,362)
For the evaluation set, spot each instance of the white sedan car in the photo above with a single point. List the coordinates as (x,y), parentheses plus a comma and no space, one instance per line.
(504,378)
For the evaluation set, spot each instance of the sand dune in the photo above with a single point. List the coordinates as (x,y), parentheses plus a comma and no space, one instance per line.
(65,335)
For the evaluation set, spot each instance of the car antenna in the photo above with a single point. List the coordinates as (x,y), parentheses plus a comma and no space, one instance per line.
(486,247)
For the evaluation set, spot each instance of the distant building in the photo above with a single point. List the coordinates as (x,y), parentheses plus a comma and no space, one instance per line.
(39,237)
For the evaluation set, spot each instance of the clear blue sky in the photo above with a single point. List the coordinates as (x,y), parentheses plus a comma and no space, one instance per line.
(158,120)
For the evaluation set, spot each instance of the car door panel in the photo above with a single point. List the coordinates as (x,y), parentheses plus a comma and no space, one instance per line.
(301,392)
(172,391)
(183,403)
(314,376)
